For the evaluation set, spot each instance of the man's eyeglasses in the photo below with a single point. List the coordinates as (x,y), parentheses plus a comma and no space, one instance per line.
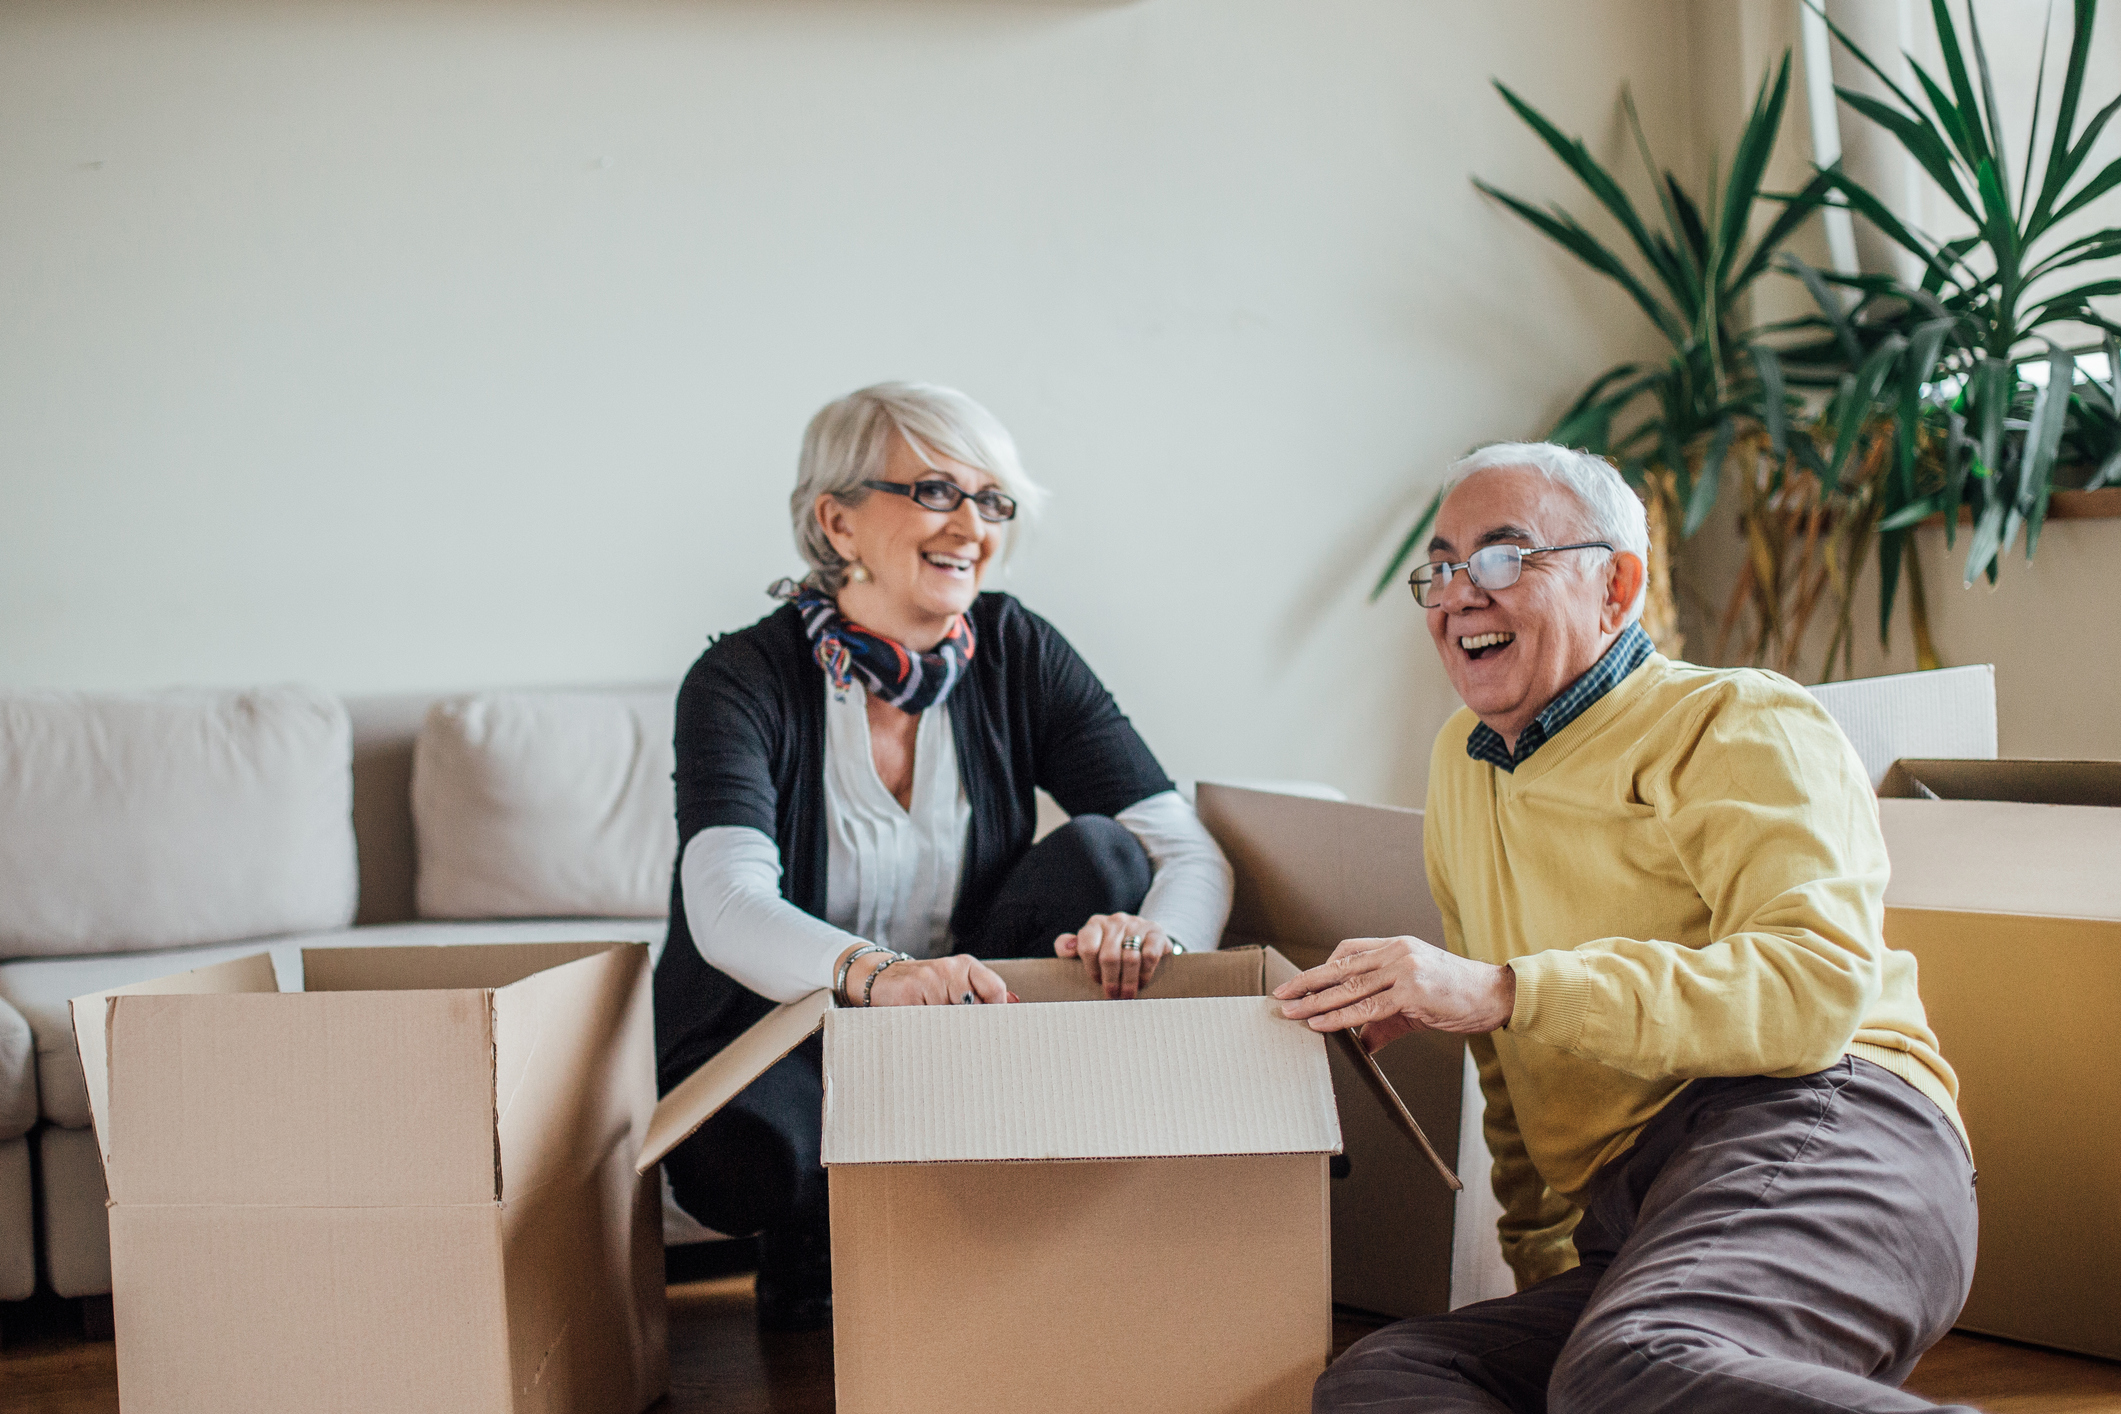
(947,496)
(1490,567)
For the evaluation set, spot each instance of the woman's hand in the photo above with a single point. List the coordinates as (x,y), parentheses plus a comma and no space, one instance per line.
(1103,945)
(935,981)
(1390,986)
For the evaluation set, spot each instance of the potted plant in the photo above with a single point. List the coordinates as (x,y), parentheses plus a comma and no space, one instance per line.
(1973,371)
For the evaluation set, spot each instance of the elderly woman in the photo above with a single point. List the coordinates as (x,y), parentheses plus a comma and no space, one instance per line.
(855,777)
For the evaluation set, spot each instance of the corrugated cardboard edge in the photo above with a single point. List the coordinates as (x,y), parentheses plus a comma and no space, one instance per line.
(91,1013)
(1942,712)
(696,1098)
(490,1007)
(1231,1076)
(1279,970)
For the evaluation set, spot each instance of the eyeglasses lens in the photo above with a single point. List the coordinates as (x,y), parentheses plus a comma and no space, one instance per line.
(1490,567)
(944,496)
(1496,566)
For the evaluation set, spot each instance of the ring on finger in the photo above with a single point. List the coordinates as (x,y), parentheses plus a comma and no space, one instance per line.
(1131,943)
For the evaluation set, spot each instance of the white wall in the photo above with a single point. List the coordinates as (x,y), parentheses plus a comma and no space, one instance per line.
(387,345)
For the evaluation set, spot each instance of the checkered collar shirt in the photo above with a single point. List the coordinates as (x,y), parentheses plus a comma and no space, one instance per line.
(1629,652)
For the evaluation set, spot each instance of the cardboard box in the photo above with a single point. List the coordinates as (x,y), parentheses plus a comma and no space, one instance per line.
(1074,1204)
(409,1187)
(1311,873)
(2007,889)
(1946,712)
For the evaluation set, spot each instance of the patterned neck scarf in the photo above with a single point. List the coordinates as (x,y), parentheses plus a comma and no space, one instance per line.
(911,682)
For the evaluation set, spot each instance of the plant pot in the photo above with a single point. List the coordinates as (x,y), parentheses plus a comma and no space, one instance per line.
(2102,504)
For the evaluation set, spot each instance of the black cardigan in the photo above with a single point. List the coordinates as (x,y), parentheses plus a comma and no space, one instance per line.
(750,741)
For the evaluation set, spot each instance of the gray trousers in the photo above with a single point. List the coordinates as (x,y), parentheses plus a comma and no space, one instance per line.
(1765,1245)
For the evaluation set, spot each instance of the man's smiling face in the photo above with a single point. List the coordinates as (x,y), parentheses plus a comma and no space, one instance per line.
(1511,652)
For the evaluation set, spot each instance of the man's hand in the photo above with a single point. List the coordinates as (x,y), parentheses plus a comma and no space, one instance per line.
(1390,986)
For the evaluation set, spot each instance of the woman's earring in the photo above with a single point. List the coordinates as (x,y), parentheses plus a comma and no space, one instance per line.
(857,573)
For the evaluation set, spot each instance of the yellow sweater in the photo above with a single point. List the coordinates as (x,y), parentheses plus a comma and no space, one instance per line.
(1688,881)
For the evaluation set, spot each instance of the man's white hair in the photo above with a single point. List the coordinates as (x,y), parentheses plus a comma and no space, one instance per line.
(849,442)
(1612,512)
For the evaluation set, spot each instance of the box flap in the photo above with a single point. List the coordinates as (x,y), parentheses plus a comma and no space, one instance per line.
(1313,872)
(586,1318)
(1275,970)
(574,1067)
(354,1099)
(1980,856)
(1943,712)
(1075,1080)
(1278,970)
(1233,972)
(1366,1066)
(695,1098)
(2025,782)
(91,1013)
(430,968)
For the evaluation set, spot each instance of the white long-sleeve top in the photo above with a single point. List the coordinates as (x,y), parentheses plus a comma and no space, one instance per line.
(892,871)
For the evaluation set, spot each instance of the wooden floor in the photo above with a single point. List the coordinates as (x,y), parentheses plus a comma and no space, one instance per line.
(720,1364)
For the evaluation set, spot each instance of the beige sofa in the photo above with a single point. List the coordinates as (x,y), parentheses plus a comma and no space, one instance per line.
(147,834)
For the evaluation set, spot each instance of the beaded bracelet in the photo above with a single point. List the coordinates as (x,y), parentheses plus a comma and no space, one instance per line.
(839,981)
(869,987)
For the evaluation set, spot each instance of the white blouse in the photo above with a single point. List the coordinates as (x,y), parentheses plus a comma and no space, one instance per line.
(892,871)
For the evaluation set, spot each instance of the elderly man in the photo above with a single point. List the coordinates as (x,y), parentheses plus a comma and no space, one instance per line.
(1727,1149)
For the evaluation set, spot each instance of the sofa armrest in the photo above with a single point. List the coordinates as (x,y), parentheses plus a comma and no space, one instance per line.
(18,1074)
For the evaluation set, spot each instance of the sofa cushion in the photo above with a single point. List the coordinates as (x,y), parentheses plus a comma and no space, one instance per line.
(545,805)
(40,988)
(159,820)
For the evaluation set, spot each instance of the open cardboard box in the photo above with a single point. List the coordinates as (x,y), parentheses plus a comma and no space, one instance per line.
(408,1187)
(1008,1182)
(2007,889)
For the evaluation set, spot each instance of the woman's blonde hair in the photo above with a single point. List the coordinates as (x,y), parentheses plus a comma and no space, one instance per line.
(849,442)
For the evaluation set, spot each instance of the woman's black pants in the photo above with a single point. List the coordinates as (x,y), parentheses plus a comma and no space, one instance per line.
(755,1165)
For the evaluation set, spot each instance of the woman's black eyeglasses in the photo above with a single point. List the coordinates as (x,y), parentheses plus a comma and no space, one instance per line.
(948,496)
(1489,567)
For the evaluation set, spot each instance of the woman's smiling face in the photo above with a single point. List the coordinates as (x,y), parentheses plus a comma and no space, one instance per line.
(925,567)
